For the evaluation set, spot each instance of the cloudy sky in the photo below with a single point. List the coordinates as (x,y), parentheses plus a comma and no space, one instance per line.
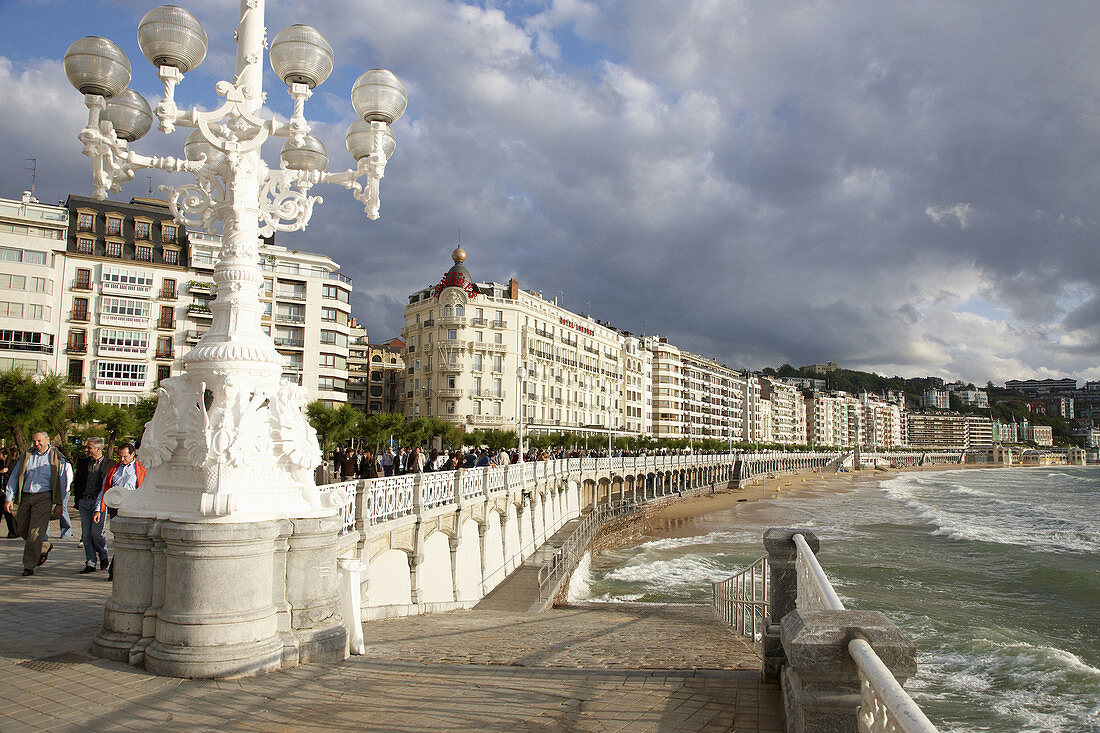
(909,188)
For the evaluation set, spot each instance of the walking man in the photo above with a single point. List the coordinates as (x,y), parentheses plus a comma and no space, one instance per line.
(126,474)
(90,473)
(37,484)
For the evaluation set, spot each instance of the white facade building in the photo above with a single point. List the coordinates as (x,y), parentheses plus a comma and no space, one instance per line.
(30,284)
(466,341)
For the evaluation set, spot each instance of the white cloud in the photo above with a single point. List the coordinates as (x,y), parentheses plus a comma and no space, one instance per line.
(942,214)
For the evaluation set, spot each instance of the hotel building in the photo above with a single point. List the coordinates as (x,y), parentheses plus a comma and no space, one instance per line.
(376,374)
(466,342)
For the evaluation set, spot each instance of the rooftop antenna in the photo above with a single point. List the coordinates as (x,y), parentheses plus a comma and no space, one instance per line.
(33,168)
(562,294)
(150,184)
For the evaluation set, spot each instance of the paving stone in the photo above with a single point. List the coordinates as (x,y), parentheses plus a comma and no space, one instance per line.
(593,667)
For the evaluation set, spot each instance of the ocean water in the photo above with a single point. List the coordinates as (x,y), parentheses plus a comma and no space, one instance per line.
(995,573)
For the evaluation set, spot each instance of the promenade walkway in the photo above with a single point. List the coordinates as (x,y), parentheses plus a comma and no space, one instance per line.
(586,668)
(520,590)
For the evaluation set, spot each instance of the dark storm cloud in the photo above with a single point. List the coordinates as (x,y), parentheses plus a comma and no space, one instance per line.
(907,188)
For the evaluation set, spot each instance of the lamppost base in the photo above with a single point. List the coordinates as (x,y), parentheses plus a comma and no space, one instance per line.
(215,600)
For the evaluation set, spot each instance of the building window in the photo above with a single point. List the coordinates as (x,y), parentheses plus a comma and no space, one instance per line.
(80,309)
(78,343)
(83,280)
(141,230)
(119,374)
(498,364)
(164,347)
(329,314)
(85,245)
(85,221)
(167,317)
(168,289)
(168,232)
(333,292)
(144,253)
(477,408)
(164,371)
(496,409)
(171,256)
(76,371)
(114,226)
(477,362)
(450,407)
(114,249)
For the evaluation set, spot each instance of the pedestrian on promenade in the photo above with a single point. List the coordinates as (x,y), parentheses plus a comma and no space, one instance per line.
(368,466)
(8,462)
(387,461)
(127,474)
(91,470)
(37,484)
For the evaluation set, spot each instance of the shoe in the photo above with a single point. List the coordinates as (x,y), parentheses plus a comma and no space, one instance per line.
(87,569)
(12,536)
(104,564)
(27,572)
(66,536)
(45,555)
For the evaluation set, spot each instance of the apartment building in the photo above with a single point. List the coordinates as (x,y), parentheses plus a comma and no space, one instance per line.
(376,373)
(30,286)
(937,398)
(695,397)
(123,308)
(937,430)
(466,342)
(788,411)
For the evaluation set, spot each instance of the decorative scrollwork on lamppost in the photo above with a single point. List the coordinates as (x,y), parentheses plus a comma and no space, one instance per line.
(229,438)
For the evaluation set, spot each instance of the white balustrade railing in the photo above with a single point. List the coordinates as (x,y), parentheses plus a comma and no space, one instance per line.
(388,498)
(885,706)
(347,505)
(471,484)
(495,477)
(437,489)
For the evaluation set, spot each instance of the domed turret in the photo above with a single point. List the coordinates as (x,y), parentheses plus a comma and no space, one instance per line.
(458,276)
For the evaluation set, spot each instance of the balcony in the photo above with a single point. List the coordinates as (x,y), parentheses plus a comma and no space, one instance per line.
(485,419)
(480,322)
(109,287)
(79,316)
(453,344)
(133,385)
(452,320)
(82,285)
(498,324)
(450,392)
(290,295)
(290,343)
(166,325)
(81,348)
(167,293)
(24,346)
(292,366)
(429,323)
(124,319)
(197,287)
(165,354)
(193,336)
(289,318)
(452,366)
(197,310)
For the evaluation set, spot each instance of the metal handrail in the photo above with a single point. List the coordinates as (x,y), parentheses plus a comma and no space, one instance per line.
(566,558)
(742,599)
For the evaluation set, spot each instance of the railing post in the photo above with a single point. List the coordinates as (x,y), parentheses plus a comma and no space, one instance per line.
(821,683)
(779,544)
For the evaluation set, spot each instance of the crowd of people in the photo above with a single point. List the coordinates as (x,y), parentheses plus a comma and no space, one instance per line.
(350,463)
(38,485)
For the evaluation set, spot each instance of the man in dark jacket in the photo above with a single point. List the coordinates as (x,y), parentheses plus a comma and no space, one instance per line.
(87,483)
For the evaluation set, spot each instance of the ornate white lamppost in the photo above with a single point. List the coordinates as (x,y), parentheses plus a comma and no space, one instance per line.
(225,555)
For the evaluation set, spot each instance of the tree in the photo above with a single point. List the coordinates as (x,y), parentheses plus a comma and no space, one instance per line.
(111,422)
(30,402)
(334,425)
(376,429)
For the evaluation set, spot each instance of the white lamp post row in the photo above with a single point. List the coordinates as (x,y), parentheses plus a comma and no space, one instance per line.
(229,440)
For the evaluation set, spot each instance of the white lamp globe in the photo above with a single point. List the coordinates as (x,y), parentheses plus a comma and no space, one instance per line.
(171,36)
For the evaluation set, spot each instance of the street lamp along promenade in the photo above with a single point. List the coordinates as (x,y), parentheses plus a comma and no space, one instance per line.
(226,556)
(229,441)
